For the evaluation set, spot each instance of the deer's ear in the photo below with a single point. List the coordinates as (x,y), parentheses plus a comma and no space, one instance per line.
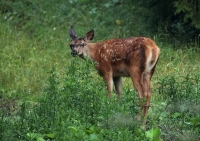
(72,33)
(90,35)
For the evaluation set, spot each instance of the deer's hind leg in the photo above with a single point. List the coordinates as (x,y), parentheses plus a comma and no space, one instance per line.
(147,94)
(147,91)
(137,79)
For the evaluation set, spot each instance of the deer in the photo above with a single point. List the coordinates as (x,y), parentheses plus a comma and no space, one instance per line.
(134,57)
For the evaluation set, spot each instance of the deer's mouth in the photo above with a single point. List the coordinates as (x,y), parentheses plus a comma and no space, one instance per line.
(74,53)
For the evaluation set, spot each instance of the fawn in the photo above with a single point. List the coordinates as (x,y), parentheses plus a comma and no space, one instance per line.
(134,57)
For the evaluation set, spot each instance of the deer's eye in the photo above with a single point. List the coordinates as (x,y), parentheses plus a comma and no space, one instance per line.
(71,46)
(82,44)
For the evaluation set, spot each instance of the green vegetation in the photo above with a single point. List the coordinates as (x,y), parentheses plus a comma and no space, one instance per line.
(45,94)
(179,19)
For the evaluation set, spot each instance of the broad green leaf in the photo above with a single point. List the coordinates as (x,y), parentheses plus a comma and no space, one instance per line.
(34,135)
(153,134)
(195,121)
(50,136)
(175,115)
(93,137)
(40,139)
(72,129)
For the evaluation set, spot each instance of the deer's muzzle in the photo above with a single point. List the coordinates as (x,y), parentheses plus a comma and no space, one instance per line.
(74,53)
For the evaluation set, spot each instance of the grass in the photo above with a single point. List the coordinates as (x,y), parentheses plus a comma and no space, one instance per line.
(25,63)
(45,94)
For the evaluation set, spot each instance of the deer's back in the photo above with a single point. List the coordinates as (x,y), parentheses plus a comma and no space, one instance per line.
(118,55)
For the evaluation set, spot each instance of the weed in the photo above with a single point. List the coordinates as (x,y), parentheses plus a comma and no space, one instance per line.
(72,103)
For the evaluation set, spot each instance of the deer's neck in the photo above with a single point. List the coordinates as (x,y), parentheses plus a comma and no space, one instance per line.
(91,50)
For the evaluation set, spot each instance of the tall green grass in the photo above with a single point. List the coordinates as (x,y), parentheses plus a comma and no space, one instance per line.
(73,111)
(25,62)
(74,108)
(45,94)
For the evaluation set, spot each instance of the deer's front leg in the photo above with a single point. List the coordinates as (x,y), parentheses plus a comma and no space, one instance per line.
(109,82)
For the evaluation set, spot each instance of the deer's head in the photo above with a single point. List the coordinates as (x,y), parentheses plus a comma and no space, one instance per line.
(78,45)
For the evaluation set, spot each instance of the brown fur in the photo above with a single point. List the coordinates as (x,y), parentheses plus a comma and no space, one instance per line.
(134,57)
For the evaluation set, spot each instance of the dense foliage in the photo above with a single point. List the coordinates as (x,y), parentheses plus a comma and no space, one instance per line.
(180,19)
(45,94)
(73,109)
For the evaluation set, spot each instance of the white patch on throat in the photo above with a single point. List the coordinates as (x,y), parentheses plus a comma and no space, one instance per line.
(86,53)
